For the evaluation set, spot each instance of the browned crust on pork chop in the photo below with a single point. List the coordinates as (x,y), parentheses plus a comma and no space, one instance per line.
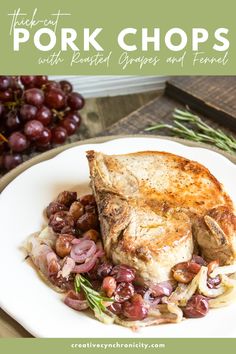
(147,203)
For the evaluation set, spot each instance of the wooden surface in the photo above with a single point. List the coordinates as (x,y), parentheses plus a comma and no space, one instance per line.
(9,328)
(159,110)
(212,96)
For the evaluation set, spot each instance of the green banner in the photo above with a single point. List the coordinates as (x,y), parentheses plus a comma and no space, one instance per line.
(118,37)
(157,345)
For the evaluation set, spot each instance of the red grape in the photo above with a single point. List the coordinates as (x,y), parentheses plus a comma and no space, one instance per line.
(55,98)
(213,282)
(196,307)
(34,96)
(51,85)
(40,80)
(73,115)
(45,137)
(27,81)
(135,309)
(44,115)
(69,125)
(14,84)
(59,135)
(66,86)
(28,112)
(115,308)
(109,286)
(17,142)
(34,113)
(104,270)
(33,129)
(2,109)
(4,83)
(75,101)
(12,121)
(124,292)
(6,96)
(10,161)
(123,273)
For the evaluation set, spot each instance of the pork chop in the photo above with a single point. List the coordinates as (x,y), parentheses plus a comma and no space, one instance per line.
(147,203)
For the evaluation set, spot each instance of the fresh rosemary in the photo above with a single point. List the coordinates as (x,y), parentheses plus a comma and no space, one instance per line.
(94,298)
(204,132)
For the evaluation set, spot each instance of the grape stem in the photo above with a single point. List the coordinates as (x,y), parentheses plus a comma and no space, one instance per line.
(2,137)
(59,115)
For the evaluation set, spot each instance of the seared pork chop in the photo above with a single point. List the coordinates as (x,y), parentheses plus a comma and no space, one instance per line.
(147,203)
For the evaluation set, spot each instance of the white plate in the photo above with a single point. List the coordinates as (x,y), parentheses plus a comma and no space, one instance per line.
(31,302)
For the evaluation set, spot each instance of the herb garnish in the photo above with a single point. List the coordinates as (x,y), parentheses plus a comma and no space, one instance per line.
(94,298)
(205,133)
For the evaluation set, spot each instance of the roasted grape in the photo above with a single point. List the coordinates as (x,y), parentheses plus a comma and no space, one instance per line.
(104,269)
(76,210)
(87,199)
(196,307)
(87,221)
(63,245)
(115,308)
(135,309)
(124,292)
(91,235)
(59,220)
(109,286)
(66,198)
(123,273)
(54,207)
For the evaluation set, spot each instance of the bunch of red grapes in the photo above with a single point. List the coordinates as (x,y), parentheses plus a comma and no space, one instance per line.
(35,114)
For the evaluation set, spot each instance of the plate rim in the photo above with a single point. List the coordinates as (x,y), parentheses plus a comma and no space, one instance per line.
(99,141)
(10,176)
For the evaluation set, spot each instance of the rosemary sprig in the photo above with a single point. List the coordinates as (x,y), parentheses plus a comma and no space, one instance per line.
(94,298)
(204,133)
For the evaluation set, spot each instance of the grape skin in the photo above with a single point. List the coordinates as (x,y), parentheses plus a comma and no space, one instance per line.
(34,96)
(33,129)
(35,114)
(55,99)
(18,142)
